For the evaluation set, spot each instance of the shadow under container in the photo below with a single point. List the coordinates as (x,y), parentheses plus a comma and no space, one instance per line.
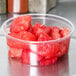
(41,52)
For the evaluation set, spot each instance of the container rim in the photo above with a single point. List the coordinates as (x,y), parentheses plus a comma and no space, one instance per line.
(6,34)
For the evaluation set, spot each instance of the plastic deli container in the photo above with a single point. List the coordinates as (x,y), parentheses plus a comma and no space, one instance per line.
(36,51)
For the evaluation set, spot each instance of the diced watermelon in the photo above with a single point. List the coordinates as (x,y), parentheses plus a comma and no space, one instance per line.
(55,36)
(55,33)
(24,35)
(22,23)
(25,59)
(14,43)
(28,36)
(15,52)
(44,37)
(64,31)
(40,28)
(48,50)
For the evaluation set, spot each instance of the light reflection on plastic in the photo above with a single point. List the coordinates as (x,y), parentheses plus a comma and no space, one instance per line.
(33,56)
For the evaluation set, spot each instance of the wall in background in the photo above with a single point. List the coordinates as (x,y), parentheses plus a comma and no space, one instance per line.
(65,0)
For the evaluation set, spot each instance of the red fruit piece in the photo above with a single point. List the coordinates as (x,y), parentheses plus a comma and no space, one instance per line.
(47,29)
(48,50)
(37,29)
(15,52)
(63,50)
(39,57)
(24,35)
(55,36)
(55,29)
(25,59)
(30,29)
(64,45)
(15,35)
(48,61)
(52,51)
(44,37)
(40,28)
(55,33)
(22,23)
(13,42)
(28,36)
(64,31)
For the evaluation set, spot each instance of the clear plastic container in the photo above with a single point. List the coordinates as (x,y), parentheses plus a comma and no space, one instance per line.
(36,53)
